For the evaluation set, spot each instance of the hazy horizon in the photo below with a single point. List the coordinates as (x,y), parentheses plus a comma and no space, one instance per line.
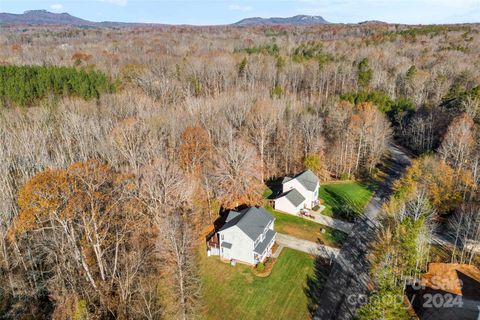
(212,12)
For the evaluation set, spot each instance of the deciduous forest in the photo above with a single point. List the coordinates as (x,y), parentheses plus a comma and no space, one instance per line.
(121,146)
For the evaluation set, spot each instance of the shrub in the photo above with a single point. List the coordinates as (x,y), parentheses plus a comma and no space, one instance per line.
(277,92)
(260,267)
(344,176)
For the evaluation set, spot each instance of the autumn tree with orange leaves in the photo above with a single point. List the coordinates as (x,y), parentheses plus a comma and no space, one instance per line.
(195,150)
(83,231)
(445,187)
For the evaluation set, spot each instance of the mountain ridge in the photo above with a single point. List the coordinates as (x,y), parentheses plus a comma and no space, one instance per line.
(298,20)
(42,17)
(45,17)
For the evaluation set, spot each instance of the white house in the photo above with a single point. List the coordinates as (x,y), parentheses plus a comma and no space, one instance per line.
(247,236)
(290,202)
(299,192)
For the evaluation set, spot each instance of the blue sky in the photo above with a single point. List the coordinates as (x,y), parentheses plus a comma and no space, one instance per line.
(204,12)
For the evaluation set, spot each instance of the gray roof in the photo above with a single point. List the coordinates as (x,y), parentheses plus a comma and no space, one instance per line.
(263,245)
(252,221)
(295,197)
(308,179)
(286,179)
(232,214)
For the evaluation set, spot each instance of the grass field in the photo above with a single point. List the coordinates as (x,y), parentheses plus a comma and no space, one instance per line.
(306,229)
(236,293)
(344,200)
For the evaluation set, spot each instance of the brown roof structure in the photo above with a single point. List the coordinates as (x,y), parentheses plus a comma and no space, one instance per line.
(447,291)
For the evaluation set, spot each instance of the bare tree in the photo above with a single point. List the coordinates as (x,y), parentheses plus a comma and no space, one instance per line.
(459,142)
(465,230)
(176,246)
(261,123)
(236,176)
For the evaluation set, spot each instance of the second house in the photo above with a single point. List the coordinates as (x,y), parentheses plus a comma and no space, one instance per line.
(299,192)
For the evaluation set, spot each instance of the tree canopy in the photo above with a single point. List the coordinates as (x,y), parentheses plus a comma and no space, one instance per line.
(22,85)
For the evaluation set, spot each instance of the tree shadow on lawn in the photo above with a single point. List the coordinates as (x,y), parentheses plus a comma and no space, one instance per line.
(373,180)
(342,207)
(316,282)
(275,185)
(370,183)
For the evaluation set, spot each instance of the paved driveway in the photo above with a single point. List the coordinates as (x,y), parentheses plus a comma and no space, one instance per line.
(306,246)
(330,222)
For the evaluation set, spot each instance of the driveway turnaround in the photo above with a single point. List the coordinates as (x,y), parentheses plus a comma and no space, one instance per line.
(330,222)
(306,246)
(347,284)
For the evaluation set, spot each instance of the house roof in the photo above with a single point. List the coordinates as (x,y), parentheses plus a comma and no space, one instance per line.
(457,280)
(286,179)
(232,214)
(252,221)
(446,276)
(308,179)
(260,248)
(294,196)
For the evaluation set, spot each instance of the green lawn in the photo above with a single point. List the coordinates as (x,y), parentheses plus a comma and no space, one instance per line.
(345,200)
(236,293)
(267,193)
(306,229)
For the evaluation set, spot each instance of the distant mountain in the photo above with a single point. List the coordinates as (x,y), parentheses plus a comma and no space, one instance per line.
(373,22)
(300,20)
(44,17)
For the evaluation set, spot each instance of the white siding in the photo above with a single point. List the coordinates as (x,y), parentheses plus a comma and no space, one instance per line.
(284,205)
(242,245)
(311,197)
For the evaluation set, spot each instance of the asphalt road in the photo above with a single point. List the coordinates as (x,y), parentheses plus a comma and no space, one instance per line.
(347,284)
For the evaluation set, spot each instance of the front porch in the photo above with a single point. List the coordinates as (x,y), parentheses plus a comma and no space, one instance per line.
(213,245)
(264,249)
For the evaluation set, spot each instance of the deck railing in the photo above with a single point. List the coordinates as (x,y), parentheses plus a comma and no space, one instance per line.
(212,245)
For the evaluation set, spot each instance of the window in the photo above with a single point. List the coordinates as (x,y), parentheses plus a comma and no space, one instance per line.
(222,237)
